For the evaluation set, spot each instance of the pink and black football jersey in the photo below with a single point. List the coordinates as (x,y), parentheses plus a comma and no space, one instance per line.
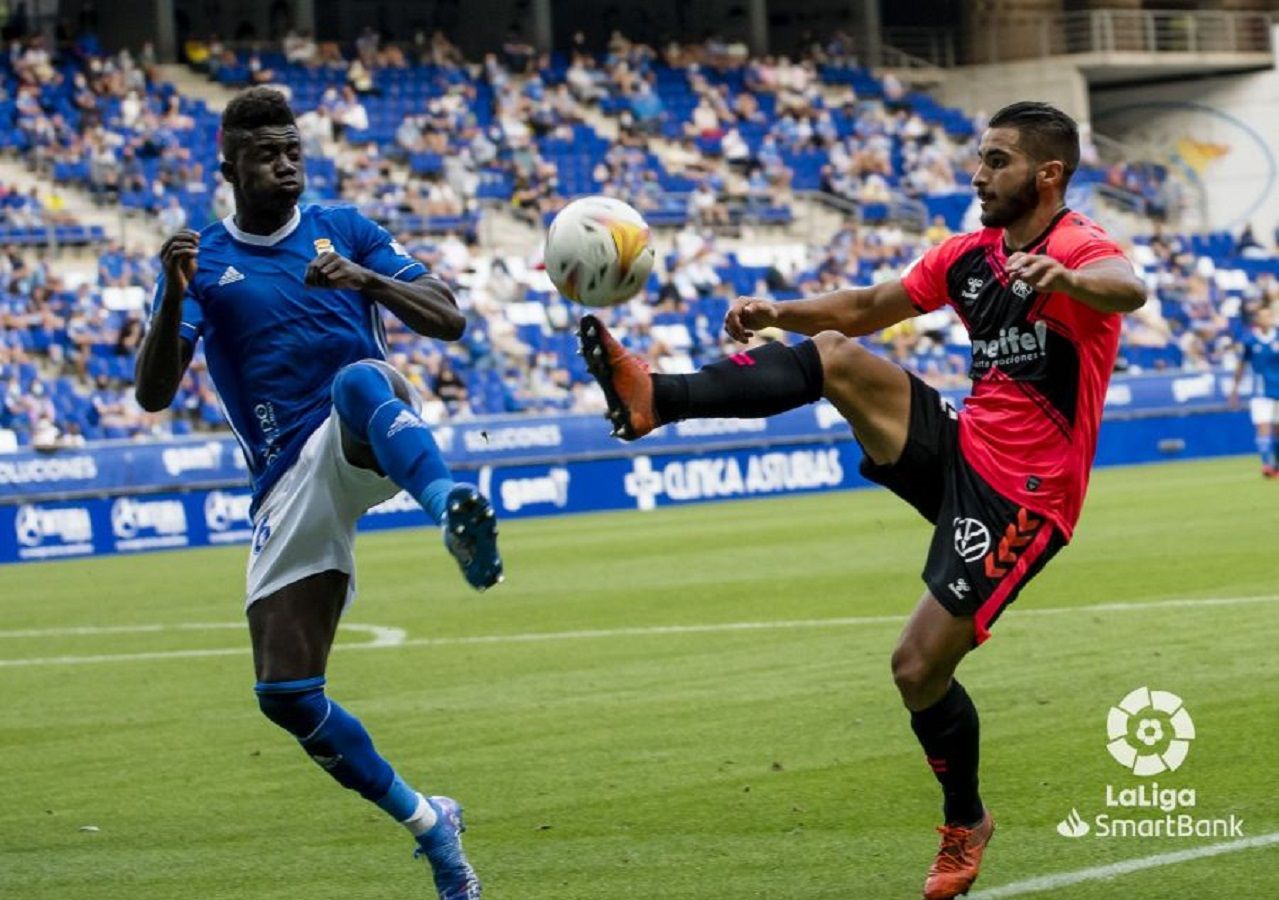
(1040,362)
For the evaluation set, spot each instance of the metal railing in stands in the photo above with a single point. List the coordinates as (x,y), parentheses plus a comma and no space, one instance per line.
(1104,31)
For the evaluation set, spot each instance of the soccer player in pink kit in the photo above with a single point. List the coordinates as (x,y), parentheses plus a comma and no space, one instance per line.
(1040,289)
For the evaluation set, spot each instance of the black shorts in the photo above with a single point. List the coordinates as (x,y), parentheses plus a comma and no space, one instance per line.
(985,547)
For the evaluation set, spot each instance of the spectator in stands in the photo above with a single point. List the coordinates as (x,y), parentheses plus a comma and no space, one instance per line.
(1248,246)
(366,46)
(300,48)
(359,78)
(448,385)
(173,218)
(647,107)
(937,231)
(351,114)
(705,123)
(329,55)
(517,54)
(705,208)
(319,137)
(584,80)
(258,72)
(444,52)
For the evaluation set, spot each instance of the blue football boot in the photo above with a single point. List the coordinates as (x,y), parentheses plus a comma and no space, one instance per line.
(470,534)
(442,847)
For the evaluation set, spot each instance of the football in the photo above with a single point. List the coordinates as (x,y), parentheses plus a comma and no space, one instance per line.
(598,251)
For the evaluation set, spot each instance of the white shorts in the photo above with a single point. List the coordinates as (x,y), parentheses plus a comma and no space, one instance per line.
(306,525)
(1265,411)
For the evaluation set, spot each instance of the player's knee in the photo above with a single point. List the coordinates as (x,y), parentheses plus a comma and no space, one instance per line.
(358,390)
(299,707)
(842,356)
(913,674)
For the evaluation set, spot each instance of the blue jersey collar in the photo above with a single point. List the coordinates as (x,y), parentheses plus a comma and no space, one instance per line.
(263,240)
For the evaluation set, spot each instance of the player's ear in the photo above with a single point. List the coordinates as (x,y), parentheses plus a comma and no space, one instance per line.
(1050,174)
(227,170)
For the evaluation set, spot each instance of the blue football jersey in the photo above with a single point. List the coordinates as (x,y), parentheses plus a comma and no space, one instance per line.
(1261,350)
(273,345)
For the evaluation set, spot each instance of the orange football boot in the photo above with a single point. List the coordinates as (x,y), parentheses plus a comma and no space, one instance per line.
(959,859)
(627,385)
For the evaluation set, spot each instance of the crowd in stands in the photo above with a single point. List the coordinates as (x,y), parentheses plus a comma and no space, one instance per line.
(419,138)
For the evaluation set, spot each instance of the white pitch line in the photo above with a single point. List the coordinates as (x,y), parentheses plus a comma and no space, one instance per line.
(1114,870)
(395,637)
(75,630)
(381,636)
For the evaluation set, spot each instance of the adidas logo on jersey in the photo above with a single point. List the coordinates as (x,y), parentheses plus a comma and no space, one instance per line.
(230,276)
(403,421)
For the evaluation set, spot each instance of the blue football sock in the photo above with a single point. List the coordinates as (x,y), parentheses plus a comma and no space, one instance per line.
(402,443)
(407,452)
(337,742)
(1266,447)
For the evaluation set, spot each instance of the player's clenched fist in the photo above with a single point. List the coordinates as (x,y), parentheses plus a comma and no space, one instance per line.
(178,255)
(747,316)
(333,270)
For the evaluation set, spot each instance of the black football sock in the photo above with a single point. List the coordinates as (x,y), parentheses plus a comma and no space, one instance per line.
(949,733)
(751,385)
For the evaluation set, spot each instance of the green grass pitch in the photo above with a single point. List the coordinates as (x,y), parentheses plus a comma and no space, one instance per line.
(650,758)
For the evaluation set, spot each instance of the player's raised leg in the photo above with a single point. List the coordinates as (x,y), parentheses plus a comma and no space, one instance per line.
(872,393)
(292,631)
(945,721)
(382,430)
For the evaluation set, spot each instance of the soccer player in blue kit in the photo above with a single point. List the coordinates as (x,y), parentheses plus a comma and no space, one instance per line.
(1260,349)
(288,303)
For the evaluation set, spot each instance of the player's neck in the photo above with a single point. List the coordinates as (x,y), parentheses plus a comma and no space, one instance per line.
(1019,234)
(261,221)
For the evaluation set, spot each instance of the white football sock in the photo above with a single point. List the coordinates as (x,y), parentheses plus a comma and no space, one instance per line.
(423,818)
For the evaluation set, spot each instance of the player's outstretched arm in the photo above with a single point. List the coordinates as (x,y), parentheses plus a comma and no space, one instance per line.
(1108,285)
(165,354)
(426,304)
(852,312)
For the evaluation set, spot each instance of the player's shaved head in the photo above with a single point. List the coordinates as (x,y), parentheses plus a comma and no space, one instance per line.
(258,107)
(1044,133)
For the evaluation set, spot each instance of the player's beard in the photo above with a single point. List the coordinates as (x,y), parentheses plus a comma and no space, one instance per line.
(1021,202)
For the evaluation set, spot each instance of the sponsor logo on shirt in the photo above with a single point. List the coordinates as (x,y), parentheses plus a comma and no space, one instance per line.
(1011,346)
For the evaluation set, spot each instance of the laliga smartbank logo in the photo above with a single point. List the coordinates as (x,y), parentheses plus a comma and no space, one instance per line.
(1149,733)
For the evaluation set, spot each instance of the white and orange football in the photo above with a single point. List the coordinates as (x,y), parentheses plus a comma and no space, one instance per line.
(598,251)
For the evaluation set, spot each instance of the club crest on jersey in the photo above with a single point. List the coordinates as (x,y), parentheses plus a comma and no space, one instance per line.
(322,246)
(1022,290)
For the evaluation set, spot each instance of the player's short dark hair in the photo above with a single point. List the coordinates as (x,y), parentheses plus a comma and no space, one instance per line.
(255,108)
(1044,132)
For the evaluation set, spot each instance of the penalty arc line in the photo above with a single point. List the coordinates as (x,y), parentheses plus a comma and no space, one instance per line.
(384,637)
(1114,870)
